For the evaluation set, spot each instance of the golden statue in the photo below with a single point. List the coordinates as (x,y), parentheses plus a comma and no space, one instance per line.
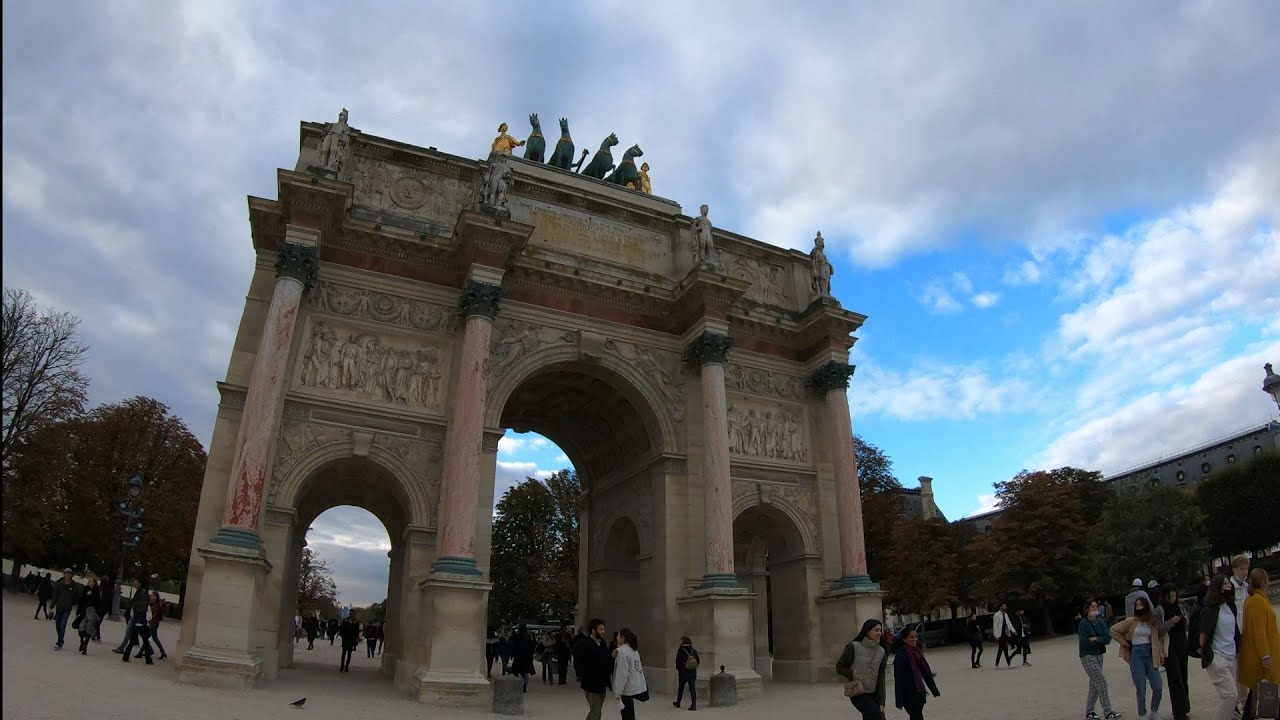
(645,186)
(504,143)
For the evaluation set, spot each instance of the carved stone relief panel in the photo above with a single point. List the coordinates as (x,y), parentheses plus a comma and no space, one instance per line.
(382,307)
(516,338)
(799,499)
(383,368)
(758,381)
(772,431)
(661,365)
(381,185)
(769,282)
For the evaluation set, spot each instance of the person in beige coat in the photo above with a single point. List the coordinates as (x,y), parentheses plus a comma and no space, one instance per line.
(1139,638)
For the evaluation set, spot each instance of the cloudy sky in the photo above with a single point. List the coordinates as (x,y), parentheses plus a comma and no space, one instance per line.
(1061,218)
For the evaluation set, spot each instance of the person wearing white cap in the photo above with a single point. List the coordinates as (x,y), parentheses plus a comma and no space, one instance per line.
(1134,593)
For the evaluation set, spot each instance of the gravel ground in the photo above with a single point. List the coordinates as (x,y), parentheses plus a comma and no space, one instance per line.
(41,683)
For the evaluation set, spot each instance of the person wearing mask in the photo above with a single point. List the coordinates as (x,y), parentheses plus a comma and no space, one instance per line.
(594,664)
(1002,631)
(158,606)
(1175,666)
(87,613)
(1260,641)
(974,632)
(139,631)
(628,675)
(687,661)
(911,674)
(1220,643)
(562,654)
(66,595)
(1135,592)
(349,631)
(862,665)
(1140,646)
(44,592)
(524,645)
(1094,637)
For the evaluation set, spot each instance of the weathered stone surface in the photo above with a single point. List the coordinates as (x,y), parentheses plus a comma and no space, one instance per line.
(724,689)
(508,695)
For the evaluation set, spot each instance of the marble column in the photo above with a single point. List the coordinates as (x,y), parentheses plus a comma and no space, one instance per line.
(295,272)
(832,380)
(710,352)
(463,440)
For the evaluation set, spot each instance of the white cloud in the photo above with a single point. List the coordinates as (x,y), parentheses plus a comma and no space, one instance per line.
(508,445)
(986,503)
(941,296)
(511,474)
(939,300)
(936,392)
(1026,273)
(986,299)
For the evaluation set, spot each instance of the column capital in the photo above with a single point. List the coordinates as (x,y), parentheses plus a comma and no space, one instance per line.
(479,298)
(832,376)
(708,348)
(298,262)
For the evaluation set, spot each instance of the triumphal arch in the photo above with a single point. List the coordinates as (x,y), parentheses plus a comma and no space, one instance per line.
(408,306)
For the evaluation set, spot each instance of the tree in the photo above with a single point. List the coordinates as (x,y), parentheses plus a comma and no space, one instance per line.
(1152,531)
(925,562)
(1237,501)
(317,592)
(1042,536)
(534,564)
(882,505)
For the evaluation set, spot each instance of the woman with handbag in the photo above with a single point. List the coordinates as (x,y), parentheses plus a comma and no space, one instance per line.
(87,613)
(1259,646)
(912,674)
(1220,642)
(1175,664)
(628,675)
(862,665)
(1094,637)
(1141,647)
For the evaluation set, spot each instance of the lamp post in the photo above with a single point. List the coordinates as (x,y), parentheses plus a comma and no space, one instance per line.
(132,526)
(1271,384)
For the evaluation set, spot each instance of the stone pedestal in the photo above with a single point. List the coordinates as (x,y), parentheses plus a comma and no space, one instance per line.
(508,695)
(454,674)
(841,612)
(719,622)
(226,652)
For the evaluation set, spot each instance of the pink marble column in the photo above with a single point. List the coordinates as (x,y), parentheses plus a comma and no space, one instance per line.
(461,483)
(833,380)
(295,271)
(710,351)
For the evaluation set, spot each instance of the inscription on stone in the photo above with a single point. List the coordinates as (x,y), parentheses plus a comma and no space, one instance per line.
(595,237)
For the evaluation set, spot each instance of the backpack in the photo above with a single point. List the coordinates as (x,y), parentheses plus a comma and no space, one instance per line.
(691,662)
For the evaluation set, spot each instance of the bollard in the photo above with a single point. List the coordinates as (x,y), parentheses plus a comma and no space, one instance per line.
(508,695)
(724,689)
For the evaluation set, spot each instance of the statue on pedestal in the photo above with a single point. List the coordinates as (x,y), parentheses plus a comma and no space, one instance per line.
(333,149)
(821,269)
(536,146)
(504,143)
(642,184)
(705,256)
(493,185)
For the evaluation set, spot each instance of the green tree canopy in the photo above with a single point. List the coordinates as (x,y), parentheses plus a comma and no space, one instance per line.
(882,505)
(1240,503)
(534,564)
(1150,532)
(317,591)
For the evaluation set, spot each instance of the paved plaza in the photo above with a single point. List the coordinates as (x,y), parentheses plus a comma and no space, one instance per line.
(40,683)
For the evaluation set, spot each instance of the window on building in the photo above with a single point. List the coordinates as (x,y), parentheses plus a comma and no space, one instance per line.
(1205,468)
(1181,476)
(1257,449)
(1231,459)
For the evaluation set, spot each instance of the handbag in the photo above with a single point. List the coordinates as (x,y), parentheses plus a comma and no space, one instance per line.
(76,624)
(1266,700)
(643,696)
(854,688)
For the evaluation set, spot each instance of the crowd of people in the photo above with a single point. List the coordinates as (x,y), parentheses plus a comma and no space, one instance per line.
(91,603)
(349,631)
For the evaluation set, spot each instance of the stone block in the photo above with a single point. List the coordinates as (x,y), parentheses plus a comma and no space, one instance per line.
(508,695)
(724,689)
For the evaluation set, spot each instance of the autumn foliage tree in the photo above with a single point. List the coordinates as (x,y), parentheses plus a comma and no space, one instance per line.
(317,591)
(924,566)
(534,563)
(882,504)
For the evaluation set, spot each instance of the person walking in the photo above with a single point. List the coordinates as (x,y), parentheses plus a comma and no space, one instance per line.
(593,662)
(1175,664)
(311,626)
(505,648)
(87,619)
(138,594)
(911,674)
(1002,631)
(548,658)
(687,661)
(139,631)
(974,632)
(562,654)
(1022,635)
(1094,638)
(105,588)
(66,596)
(628,675)
(1141,647)
(372,634)
(333,630)
(1260,643)
(349,631)
(44,592)
(864,660)
(158,607)
(525,645)
(1220,643)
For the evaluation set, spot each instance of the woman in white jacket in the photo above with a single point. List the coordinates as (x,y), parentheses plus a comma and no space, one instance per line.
(628,674)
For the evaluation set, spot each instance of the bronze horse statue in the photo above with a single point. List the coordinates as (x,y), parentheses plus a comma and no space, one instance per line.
(602,162)
(626,172)
(537,145)
(563,155)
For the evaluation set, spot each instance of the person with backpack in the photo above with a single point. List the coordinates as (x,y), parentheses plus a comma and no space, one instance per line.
(687,672)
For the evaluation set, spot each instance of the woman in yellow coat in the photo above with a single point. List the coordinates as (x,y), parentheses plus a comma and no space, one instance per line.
(1260,643)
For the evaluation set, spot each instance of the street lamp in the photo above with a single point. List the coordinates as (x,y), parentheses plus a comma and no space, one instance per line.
(1271,384)
(132,528)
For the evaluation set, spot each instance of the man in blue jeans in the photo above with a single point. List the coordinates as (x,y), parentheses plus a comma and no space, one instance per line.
(66,593)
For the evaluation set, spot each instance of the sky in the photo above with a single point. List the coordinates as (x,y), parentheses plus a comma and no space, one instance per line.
(1060,218)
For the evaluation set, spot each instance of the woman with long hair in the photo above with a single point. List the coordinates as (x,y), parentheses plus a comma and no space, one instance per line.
(1175,665)
(911,674)
(974,631)
(1094,637)
(1260,643)
(1139,638)
(864,660)
(628,674)
(157,614)
(1220,642)
(87,613)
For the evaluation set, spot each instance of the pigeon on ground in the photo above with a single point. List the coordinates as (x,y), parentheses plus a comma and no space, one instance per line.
(298,703)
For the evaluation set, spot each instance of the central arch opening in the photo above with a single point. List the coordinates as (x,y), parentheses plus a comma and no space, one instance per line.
(770,561)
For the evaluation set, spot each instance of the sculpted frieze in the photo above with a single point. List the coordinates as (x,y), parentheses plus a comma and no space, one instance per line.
(517,338)
(368,366)
(381,307)
(758,381)
(766,431)
(769,283)
(661,365)
(382,185)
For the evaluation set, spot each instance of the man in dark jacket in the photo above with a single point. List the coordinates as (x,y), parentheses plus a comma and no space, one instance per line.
(66,595)
(594,662)
(44,591)
(350,632)
(563,639)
